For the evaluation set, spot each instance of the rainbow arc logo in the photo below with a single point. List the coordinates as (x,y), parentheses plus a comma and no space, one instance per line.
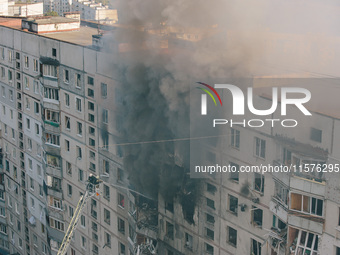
(204,97)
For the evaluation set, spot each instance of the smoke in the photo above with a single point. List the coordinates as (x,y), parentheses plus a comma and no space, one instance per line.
(163,48)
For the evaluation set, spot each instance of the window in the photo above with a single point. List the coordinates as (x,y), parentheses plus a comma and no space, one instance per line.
(66,76)
(90,80)
(92,155)
(70,211)
(91,106)
(211,188)
(260,148)
(209,233)
(78,81)
(67,123)
(210,218)
(36,87)
(209,249)
(107,239)
(257,216)
(51,116)
(54,52)
(169,206)
(90,92)
(255,247)
(80,175)
(106,166)
(105,116)
(83,242)
(67,100)
(36,108)
(307,204)
(170,230)
(121,225)
(106,192)
(107,216)
(79,128)
(49,70)
(337,251)
(52,139)
(232,236)
(120,174)
(235,172)
(106,142)
(121,201)
(31,183)
(94,226)
(121,248)
(11,95)
(79,153)
(233,204)
(3,91)
(68,168)
(69,190)
(91,117)
(2,212)
(83,221)
(29,144)
(13,134)
(235,138)
(259,182)
(92,142)
(54,223)
(39,170)
(316,135)
(210,203)
(28,104)
(51,93)
(67,145)
(104,90)
(92,166)
(35,65)
(78,104)
(188,241)
(55,202)
(281,192)
(2,72)
(10,76)
(26,62)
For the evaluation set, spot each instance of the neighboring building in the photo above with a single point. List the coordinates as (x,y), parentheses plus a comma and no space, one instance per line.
(58,98)
(4,7)
(92,11)
(59,6)
(25,9)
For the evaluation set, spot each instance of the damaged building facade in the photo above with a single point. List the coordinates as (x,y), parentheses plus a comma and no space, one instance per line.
(58,100)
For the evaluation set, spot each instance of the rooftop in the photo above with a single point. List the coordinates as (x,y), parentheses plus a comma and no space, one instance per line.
(43,20)
(82,36)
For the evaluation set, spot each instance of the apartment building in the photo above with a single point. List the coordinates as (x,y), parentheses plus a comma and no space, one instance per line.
(57,134)
(92,11)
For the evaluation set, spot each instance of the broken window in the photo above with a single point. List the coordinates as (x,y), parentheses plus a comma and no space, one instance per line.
(306,204)
(234,175)
(304,242)
(257,216)
(259,182)
(169,206)
(233,204)
(281,192)
(255,247)
(170,230)
(188,241)
(121,202)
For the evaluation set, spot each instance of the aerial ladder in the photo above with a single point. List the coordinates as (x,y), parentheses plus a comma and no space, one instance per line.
(92,185)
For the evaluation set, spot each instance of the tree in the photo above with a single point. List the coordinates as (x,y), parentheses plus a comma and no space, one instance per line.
(51,13)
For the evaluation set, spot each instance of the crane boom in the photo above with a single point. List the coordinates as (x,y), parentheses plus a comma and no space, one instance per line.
(91,187)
